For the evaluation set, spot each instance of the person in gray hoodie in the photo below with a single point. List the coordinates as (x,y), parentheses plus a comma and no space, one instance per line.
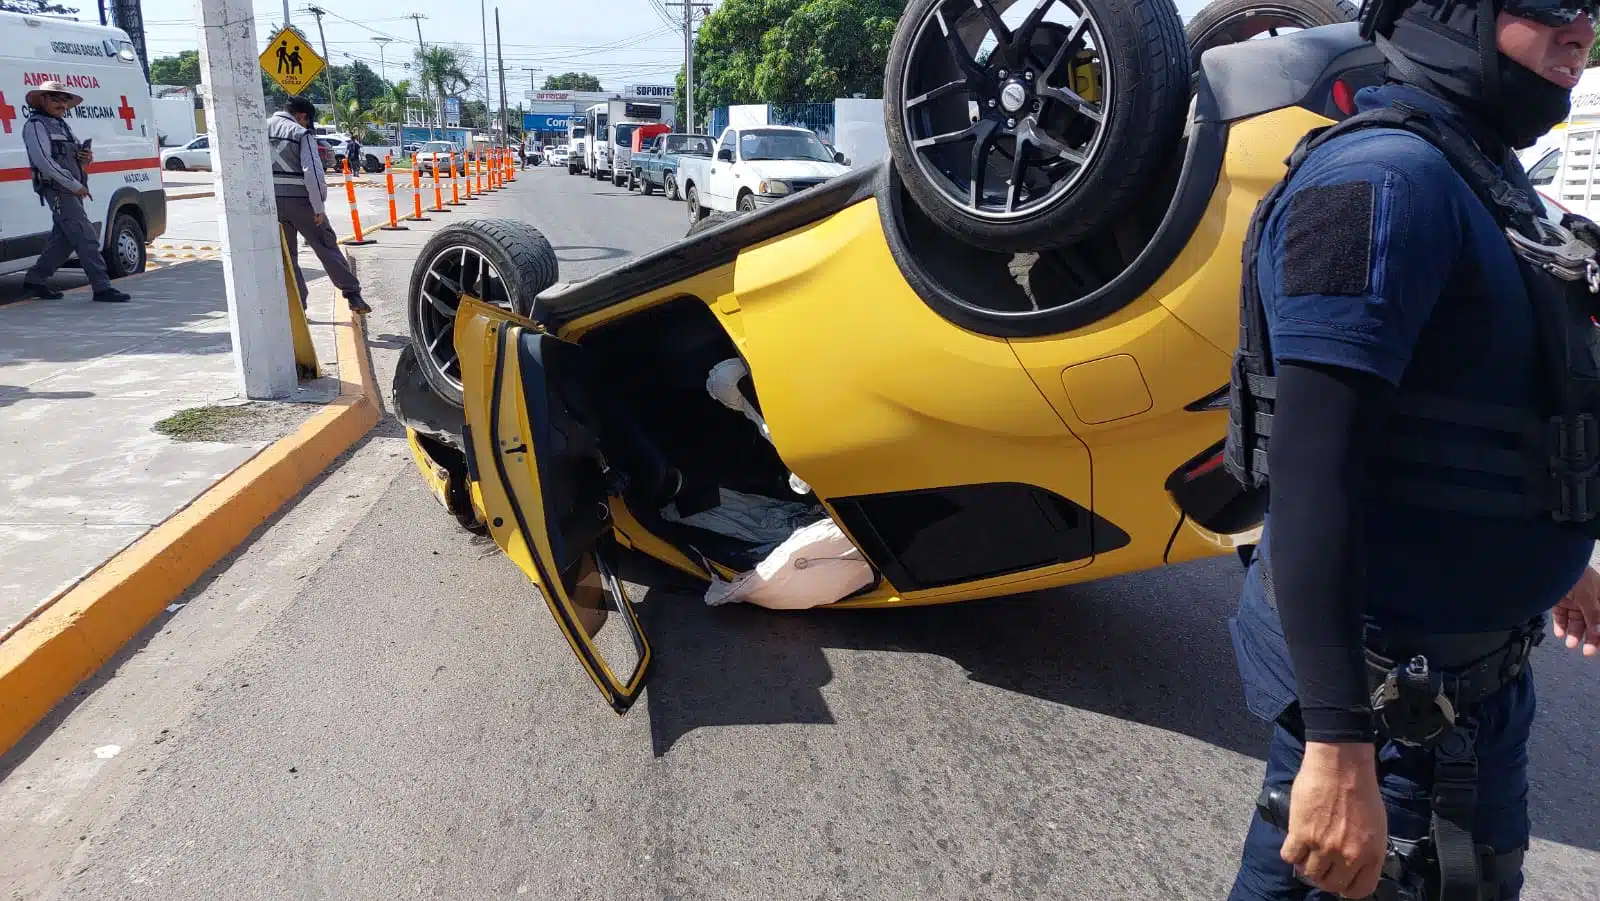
(301,192)
(60,177)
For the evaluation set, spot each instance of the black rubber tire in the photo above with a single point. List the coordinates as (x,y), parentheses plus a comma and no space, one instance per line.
(645,187)
(1207,28)
(124,225)
(175,165)
(571,169)
(669,186)
(618,180)
(711,220)
(519,252)
(747,203)
(1144,120)
(691,199)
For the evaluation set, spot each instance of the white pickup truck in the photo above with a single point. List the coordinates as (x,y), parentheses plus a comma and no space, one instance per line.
(754,167)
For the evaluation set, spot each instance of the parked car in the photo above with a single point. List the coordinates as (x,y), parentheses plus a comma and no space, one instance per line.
(196,154)
(558,156)
(657,167)
(754,167)
(994,369)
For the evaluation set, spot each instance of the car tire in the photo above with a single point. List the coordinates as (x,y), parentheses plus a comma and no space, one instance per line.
(124,252)
(618,180)
(669,186)
(515,251)
(1229,21)
(645,187)
(1120,138)
(691,199)
(747,203)
(710,220)
(174,164)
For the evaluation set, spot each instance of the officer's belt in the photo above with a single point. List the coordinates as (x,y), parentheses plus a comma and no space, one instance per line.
(1472,665)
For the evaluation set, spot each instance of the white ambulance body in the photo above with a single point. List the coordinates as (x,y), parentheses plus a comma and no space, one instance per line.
(128,204)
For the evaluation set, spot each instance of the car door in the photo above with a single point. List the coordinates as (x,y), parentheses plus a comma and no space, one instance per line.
(198,154)
(542,483)
(722,176)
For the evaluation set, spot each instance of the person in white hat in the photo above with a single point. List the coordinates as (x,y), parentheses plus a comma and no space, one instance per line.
(60,177)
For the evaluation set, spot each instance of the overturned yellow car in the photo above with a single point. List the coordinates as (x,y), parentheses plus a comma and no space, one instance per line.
(995,362)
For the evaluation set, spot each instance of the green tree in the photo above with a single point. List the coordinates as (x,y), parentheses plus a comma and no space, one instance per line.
(572,81)
(1594,55)
(786,51)
(366,84)
(442,72)
(183,69)
(390,107)
(36,7)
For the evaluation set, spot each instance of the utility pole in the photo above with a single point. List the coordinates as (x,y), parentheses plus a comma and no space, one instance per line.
(333,101)
(689,6)
(483,20)
(500,62)
(383,67)
(252,258)
(285,13)
(422,73)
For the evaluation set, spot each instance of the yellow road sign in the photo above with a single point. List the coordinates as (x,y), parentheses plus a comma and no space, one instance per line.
(290,61)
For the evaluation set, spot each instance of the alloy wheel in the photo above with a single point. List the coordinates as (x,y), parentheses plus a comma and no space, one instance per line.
(453,272)
(1006,137)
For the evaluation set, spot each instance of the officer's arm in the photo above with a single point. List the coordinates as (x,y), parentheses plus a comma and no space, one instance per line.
(1362,256)
(311,166)
(37,141)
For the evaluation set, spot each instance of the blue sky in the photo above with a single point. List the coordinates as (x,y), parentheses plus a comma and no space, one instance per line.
(621,41)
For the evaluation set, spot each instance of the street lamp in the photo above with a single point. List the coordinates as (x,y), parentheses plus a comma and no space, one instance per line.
(384,69)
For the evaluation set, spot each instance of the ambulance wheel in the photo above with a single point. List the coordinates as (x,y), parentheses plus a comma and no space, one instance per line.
(505,262)
(1075,110)
(1230,21)
(174,164)
(125,251)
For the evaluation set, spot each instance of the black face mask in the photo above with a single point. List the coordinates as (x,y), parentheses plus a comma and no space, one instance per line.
(1533,104)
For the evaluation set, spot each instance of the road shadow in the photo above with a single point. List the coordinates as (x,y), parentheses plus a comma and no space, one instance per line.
(1151,648)
(12,394)
(389,342)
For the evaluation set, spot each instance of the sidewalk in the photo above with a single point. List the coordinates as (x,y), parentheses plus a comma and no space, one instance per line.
(82,388)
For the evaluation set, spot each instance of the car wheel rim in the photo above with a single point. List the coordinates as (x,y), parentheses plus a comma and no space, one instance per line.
(128,250)
(1006,138)
(453,271)
(1251,23)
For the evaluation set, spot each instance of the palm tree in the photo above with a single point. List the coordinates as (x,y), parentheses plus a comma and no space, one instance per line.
(390,107)
(441,70)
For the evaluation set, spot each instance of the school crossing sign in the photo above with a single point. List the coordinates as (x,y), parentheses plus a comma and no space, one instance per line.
(290,61)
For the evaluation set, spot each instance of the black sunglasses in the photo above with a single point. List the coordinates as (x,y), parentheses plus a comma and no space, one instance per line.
(1554,13)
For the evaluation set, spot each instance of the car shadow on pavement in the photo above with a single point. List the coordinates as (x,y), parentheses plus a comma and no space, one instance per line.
(587,253)
(1151,648)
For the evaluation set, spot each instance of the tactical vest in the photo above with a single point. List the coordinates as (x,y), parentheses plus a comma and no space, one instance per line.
(284,137)
(1550,450)
(63,150)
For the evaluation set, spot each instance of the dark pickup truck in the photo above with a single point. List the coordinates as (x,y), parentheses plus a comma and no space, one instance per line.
(657,166)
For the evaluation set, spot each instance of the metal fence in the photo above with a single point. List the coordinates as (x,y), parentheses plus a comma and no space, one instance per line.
(816,116)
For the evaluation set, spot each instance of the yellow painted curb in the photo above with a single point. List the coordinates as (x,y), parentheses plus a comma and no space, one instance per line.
(82,628)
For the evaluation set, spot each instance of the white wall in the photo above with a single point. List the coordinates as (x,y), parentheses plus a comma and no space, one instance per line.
(747,115)
(174,119)
(858,130)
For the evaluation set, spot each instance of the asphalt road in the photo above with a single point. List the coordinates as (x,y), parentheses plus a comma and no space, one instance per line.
(368,703)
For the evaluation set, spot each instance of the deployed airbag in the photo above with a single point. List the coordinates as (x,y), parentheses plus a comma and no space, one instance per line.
(816,565)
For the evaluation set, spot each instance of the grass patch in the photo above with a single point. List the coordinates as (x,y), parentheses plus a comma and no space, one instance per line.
(202,423)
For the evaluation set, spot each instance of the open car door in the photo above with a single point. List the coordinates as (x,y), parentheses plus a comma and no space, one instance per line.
(543,487)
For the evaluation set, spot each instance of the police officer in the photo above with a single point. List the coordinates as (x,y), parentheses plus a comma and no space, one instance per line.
(301,191)
(60,178)
(1396,378)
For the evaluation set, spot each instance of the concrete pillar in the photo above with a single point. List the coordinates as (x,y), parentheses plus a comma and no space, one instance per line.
(252,262)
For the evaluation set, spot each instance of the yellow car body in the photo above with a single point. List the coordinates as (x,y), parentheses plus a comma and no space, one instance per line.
(871,393)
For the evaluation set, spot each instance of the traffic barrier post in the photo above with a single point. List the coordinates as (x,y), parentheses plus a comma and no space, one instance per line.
(481,187)
(511,167)
(355,214)
(466,170)
(455,184)
(416,192)
(438,194)
(388,180)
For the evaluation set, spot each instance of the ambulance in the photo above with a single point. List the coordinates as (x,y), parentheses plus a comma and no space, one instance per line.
(127,204)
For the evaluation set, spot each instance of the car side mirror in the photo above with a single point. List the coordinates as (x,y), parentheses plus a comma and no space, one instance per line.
(838,157)
(725,154)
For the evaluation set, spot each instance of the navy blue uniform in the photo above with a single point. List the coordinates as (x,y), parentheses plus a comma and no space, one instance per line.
(1443,310)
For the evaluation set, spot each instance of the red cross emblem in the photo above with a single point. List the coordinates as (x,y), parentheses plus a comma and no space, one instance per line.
(124,112)
(7,112)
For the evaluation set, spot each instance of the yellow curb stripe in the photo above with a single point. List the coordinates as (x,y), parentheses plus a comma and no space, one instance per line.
(78,631)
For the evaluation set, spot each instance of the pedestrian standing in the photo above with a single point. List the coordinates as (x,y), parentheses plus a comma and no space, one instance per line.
(301,191)
(60,177)
(1404,375)
(352,152)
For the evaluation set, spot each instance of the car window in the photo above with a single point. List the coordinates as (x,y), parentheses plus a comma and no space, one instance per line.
(200,144)
(1544,171)
(775,144)
(727,142)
